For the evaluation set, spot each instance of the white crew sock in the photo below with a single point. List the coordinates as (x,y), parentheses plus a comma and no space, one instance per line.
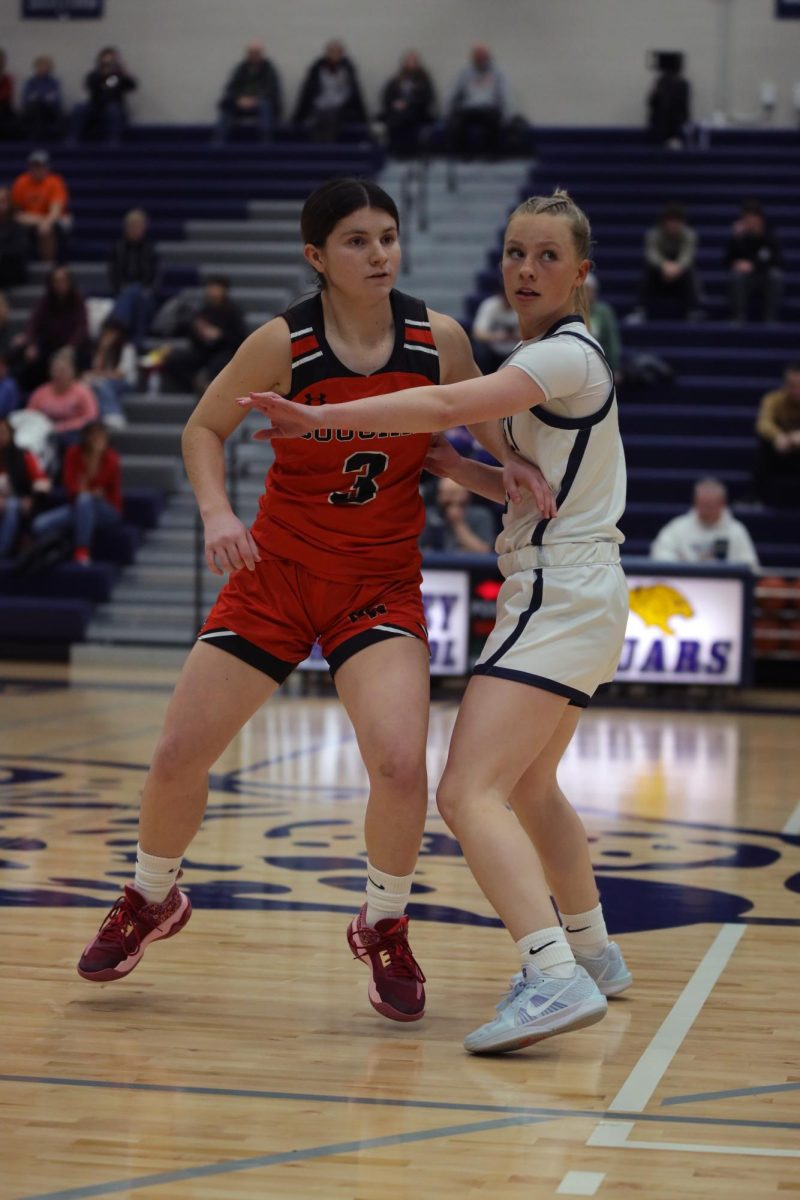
(387,895)
(155,876)
(548,950)
(586,932)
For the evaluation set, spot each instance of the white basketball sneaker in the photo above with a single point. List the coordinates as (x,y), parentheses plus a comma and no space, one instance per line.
(608,969)
(539,1006)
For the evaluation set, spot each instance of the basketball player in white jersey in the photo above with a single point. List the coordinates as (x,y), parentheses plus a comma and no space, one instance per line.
(561,618)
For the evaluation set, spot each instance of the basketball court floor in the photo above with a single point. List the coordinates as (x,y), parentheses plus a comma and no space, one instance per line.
(242,1058)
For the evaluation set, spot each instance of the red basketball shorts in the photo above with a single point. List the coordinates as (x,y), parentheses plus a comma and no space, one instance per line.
(272,616)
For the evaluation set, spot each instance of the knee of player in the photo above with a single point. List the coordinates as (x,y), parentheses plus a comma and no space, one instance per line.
(448,798)
(402,771)
(176,755)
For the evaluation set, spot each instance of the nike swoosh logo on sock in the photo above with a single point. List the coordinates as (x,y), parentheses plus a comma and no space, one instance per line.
(380,885)
(544,947)
(582,929)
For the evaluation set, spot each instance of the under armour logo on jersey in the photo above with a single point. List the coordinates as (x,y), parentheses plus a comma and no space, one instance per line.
(310,398)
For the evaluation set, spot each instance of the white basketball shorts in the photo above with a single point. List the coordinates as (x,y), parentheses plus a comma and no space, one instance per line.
(559,628)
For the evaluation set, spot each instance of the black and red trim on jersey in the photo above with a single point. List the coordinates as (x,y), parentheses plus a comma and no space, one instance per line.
(313,362)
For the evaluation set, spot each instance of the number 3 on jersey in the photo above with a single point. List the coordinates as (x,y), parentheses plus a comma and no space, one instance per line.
(366,465)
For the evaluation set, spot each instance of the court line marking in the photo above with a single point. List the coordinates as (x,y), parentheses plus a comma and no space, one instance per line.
(613,1135)
(733,1093)
(580,1183)
(646,1075)
(792,826)
(273,1160)
(388,1102)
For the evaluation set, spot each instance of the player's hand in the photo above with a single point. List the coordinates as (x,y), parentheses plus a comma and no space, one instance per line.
(288,419)
(442,458)
(229,544)
(519,475)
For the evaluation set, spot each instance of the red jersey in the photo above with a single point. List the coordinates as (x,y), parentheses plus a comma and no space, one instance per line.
(343,503)
(107,476)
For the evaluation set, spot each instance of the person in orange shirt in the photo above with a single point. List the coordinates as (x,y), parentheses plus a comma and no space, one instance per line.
(41,199)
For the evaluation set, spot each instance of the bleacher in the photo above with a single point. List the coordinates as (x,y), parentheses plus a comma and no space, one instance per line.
(702,422)
(235,209)
(204,203)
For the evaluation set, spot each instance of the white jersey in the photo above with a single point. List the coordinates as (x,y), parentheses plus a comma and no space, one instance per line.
(575,442)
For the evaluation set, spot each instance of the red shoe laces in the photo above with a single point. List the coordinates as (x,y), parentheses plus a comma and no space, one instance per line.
(119,923)
(402,963)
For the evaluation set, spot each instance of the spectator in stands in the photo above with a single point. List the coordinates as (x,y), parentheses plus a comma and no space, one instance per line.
(330,95)
(252,93)
(22,482)
(58,320)
(13,244)
(407,104)
(669,104)
(776,474)
(113,373)
(105,115)
(10,395)
(93,479)
(477,106)
(495,332)
(133,271)
(603,324)
(456,523)
(40,199)
(65,401)
(753,258)
(8,118)
(670,286)
(5,326)
(42,108)
(707,533)
(215,331)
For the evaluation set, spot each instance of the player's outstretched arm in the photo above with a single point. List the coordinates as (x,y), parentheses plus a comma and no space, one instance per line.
(428,409)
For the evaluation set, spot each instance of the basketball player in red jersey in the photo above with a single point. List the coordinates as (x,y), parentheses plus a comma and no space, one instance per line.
(332,557)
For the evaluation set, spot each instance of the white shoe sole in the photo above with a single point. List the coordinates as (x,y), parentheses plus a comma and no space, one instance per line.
(517,1039)
(617,987)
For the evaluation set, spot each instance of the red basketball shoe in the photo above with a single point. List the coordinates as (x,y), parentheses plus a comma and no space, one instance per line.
(395,990)
(129,928)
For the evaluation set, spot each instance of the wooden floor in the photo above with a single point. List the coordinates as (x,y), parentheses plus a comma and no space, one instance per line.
(243,1060)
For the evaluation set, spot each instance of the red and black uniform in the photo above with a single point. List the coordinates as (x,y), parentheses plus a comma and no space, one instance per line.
(339,522)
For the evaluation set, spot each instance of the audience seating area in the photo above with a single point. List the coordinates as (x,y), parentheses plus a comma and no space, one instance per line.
(204,202)
(234,209)
(702,422)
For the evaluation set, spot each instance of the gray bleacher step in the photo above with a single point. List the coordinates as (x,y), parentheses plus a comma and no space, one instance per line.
(133,614)
(275,299)
(256,275)
(470,208)
(165,574)
(155,437)
(272,253)
(440,171)
(177,595)
(172,557)
(277,212)
(151,471)
(140,635)
(161,409)
(243,231)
